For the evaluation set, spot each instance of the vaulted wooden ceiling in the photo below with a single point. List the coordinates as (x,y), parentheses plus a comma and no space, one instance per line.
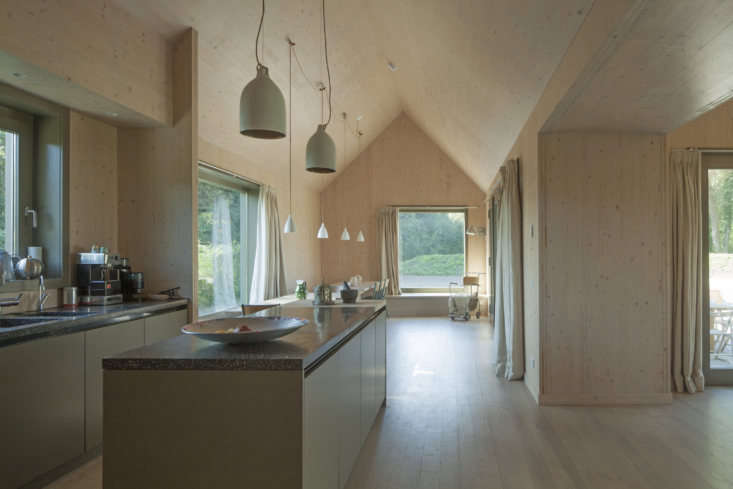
(469,72)
(666,63)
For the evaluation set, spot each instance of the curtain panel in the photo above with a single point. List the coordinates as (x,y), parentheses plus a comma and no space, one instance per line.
(509,308)
(687,285)
(388,233)
(268,278)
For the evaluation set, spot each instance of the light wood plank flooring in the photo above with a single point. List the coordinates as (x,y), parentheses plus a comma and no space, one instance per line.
(450,424)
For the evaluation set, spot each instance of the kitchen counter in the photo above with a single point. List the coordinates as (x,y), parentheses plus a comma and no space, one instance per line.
(292,413)
(90,318)
(328,326)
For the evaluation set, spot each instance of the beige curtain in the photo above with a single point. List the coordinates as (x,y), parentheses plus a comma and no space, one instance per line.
(268,278)
(687,298)
(389,248)
(509,308)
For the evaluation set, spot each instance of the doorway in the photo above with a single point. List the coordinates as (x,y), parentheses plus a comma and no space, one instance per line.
(717,200)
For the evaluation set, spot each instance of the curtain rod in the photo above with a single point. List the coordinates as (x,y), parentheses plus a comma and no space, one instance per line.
(230,173)
(433,206)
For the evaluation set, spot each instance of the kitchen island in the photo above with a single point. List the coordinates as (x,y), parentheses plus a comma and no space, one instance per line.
(291,413)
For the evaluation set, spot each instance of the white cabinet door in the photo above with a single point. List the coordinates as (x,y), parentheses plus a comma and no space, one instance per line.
(349,386)
(368,387)
(41,406)
(163,326)
(381,360)
(320,436)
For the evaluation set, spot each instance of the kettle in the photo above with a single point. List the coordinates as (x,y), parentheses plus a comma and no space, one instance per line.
(322,295)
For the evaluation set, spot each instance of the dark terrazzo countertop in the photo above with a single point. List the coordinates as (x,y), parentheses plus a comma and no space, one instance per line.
(91,317)
(327,328)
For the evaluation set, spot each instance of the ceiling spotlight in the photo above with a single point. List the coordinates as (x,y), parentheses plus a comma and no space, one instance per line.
(392,66)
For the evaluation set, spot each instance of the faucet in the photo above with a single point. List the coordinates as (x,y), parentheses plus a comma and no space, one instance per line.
(10,302)
(42,294)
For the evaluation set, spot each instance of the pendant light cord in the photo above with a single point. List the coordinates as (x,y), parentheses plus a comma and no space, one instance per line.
(290,120)
(257,39)
(325,46)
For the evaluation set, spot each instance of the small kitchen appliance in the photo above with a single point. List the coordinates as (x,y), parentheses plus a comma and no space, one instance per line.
(99,282)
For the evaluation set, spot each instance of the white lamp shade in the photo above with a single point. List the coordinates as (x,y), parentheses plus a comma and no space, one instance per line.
(345,235)
(360,237)
(320,153)
(322,232)
(262,108)
(289,225)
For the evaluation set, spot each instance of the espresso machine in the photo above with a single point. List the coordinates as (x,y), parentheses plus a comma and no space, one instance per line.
(98,280)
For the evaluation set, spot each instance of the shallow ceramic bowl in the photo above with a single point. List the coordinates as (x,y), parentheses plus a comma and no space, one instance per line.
(244,329)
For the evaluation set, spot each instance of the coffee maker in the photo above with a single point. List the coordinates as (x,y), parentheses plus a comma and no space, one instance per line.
(98,280)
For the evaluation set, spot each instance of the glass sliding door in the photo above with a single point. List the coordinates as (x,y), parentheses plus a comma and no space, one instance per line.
(717,185)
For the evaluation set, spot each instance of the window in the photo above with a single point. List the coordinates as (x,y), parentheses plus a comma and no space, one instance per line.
(227,217)
(34,188)
(432,248)
(16,152)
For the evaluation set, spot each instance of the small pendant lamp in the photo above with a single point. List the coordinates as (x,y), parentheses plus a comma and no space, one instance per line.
(320,152)
(345,235)
(261,105)
(322,231)
(290,223)
(360,236)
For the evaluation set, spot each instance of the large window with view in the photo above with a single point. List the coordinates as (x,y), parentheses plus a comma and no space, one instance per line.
(227,212)
(432,246)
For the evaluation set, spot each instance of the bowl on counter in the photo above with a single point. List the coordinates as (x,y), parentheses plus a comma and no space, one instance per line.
(244,329)
(349,296)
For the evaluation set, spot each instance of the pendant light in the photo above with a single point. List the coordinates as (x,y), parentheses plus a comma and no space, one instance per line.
(320,153)
(262,106)
(345,234)
(322,231)
(290,223)
(360,236)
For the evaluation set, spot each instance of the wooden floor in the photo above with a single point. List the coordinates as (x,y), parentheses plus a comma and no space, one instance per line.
(451,424)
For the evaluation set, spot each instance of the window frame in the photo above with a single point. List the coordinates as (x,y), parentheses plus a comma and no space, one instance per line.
(21,124)
(447,209)
(216,176)
(50,143)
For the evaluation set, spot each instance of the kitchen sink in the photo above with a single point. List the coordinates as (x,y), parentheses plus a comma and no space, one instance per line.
(15,322)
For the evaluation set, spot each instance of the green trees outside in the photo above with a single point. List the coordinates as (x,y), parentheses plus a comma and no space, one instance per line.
(720,210)
(432,243)
(208,194)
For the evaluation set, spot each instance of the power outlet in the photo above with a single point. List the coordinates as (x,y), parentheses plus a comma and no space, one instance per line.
(531,362)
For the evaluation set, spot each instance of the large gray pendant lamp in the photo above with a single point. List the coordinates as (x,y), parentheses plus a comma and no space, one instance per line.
(290,223)
(320,153)
(262,106)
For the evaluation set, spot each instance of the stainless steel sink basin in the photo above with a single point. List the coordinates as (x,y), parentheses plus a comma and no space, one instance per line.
(15,322)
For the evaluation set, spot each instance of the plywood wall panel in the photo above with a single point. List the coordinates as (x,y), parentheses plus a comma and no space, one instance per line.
(93,196)
(605,311)
(92,53)
(403,166)
(598,25)
(157,197)
(713,129)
